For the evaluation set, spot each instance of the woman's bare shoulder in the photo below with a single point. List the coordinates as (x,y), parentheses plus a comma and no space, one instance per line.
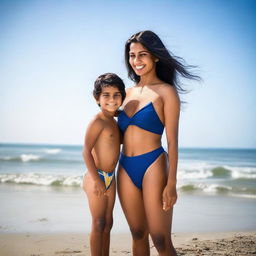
(129,89)
(168,92)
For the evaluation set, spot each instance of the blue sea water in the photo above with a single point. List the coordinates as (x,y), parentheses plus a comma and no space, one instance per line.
(40,190)
(208,171)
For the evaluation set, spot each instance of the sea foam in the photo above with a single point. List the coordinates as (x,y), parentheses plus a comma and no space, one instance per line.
(52,151)
(29,157)
(42,179)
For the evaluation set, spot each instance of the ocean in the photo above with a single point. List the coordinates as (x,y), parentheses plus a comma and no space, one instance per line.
(40,190)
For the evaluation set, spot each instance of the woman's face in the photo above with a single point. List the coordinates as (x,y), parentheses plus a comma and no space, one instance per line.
(141,60)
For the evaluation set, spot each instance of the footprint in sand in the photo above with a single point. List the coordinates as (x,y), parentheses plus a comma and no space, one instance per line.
(125,252)
(71,251)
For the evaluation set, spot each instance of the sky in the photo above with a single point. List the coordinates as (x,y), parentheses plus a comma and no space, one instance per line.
(52,51)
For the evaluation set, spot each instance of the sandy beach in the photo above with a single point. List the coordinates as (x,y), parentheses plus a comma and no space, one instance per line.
(44,211)
(75,244)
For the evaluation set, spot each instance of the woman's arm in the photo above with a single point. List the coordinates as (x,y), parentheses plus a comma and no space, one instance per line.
(171,116)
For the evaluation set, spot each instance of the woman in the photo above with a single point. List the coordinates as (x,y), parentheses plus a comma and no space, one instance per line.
(147,175)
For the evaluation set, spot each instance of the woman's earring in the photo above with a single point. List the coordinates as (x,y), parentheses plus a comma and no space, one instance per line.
(156,60)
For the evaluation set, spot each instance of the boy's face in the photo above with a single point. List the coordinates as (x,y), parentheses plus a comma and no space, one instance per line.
(110,99)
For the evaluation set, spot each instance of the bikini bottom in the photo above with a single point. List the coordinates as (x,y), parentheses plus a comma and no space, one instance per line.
(136,166)
(106,177)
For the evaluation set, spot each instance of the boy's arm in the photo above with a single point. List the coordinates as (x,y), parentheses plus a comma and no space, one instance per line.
(120,132)
(121,137)
(93,131)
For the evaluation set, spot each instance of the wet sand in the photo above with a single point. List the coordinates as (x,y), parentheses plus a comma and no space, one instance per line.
(76,244)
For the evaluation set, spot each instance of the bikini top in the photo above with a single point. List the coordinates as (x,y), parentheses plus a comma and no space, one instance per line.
(146,118)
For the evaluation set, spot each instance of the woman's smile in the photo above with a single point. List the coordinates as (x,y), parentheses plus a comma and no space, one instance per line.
(141,60)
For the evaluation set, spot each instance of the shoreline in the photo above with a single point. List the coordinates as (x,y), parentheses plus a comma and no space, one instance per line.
(75,244)
(67,210)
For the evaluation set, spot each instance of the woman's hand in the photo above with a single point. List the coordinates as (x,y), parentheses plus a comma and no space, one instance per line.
(169,196)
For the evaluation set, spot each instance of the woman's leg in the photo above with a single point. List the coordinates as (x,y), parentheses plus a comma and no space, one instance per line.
(132,203)
(159,221)
(98,207)
(111,195)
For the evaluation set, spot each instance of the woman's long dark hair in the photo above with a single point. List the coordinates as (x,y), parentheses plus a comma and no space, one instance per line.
(167,68)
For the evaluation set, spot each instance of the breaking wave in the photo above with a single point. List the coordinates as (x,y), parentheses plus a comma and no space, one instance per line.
(42,179)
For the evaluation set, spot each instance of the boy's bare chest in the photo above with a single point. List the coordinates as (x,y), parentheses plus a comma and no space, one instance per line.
(110,132)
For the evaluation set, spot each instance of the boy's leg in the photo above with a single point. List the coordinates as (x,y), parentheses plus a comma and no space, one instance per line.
(98,207)
(111,194)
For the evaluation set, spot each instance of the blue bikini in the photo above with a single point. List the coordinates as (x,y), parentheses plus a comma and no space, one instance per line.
(147,119)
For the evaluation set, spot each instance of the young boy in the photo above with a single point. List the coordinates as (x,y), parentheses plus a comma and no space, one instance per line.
(101,153)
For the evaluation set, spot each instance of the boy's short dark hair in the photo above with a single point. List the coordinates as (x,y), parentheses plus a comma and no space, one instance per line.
(106,80)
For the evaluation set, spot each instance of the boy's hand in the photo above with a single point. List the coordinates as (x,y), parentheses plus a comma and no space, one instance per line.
(99,188)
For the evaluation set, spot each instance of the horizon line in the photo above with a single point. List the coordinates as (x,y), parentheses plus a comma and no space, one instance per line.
(81,145)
